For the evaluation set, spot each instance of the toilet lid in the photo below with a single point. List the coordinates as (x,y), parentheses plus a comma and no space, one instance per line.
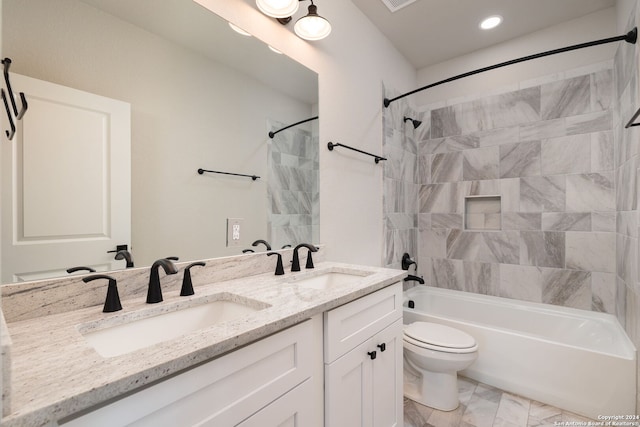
(439,335)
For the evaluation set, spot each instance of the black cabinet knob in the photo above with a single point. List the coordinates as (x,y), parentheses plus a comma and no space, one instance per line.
(382,347)
(372,354)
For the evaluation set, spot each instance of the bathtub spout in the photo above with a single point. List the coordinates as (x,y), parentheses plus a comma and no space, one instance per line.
(412,278)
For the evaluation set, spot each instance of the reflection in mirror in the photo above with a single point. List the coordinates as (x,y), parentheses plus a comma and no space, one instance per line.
(200,96)
(293,189)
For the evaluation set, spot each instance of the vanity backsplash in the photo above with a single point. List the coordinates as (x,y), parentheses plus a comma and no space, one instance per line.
(27,300)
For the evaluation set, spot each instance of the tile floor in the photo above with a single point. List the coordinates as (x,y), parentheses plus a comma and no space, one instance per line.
(485,406)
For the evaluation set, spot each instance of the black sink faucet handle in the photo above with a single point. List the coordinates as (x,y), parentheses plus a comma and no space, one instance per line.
(112,302)
(187,285)
(279,266)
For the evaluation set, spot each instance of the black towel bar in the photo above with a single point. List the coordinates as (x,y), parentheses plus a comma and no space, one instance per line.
(253,177)
(377,158)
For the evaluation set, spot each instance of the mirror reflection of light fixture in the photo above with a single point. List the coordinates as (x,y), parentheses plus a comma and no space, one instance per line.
(491,22)
(239,30)
(278,8)
(312,26)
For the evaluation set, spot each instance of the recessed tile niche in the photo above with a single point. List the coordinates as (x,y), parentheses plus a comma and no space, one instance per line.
(482,213)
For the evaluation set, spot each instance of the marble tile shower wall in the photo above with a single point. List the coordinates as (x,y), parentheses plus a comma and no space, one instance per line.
(293,188)
(627,147)
(547,151)
(401,180)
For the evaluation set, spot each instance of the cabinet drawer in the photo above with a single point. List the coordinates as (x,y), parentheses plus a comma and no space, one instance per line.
(221,392)
(351,324)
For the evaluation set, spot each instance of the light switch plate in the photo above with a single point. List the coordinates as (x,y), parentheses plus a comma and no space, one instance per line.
(235,231)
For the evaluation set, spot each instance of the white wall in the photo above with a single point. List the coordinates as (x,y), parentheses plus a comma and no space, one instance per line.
(595,26)
(623,11)
(352,63)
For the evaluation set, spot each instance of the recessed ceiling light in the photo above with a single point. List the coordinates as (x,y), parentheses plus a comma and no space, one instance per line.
(491,22)
(273,49)
(239,30)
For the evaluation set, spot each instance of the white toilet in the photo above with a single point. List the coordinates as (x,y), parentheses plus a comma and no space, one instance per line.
(433,355)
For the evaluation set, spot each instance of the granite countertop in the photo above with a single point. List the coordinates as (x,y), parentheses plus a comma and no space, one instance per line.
(56,373)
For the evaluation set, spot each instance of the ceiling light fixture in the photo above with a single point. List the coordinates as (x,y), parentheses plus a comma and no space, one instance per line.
(273,49)
(239,30)
(312,26)
(278,8)
(491,22)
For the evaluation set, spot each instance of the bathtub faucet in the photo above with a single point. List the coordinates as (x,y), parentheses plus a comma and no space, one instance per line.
(412,278)
(407,261)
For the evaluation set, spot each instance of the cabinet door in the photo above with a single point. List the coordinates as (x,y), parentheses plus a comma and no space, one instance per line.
(361,391)
(387,377)
(348,389)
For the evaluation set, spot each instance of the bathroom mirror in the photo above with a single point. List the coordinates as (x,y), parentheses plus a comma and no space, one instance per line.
(201,96)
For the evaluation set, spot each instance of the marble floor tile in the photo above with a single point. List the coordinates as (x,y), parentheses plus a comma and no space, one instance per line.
(485,406)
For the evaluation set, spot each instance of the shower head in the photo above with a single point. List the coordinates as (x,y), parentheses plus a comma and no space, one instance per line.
(415,123)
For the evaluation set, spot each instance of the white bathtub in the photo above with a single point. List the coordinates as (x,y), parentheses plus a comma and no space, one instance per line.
(576,360)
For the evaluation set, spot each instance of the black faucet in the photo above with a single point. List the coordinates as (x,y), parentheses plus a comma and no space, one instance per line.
(187,285)
(407,262)
(264,242)
(412,278)
(296,259)
(112,302)
(125,255)
(154,293)
(80,268)
(279,266)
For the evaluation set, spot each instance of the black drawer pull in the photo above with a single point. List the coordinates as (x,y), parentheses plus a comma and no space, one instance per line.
(382,347)
(372,354)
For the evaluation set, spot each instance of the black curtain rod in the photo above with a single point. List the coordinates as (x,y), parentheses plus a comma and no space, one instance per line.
(272,134)
(377,158)
(630,37)
(253,177)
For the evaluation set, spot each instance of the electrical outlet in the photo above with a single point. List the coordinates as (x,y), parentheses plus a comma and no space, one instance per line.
(234,231)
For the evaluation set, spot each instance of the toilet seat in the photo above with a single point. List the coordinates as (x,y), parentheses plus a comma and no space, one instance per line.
(435,336)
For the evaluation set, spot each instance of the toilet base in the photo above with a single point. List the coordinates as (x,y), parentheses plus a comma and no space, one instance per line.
(433,389)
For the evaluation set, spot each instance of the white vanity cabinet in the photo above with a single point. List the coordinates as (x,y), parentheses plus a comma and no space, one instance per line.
(363,361)
(274,381)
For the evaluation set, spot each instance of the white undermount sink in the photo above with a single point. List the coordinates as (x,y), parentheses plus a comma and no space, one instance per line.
(132,334)
(328,280)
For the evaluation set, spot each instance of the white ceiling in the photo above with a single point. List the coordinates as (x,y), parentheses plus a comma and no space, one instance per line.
(427,32)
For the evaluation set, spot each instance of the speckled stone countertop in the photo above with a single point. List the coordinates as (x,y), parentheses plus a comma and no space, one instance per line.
(56,373)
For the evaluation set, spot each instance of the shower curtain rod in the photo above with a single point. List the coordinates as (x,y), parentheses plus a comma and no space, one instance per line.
(630,37)
(272,134)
